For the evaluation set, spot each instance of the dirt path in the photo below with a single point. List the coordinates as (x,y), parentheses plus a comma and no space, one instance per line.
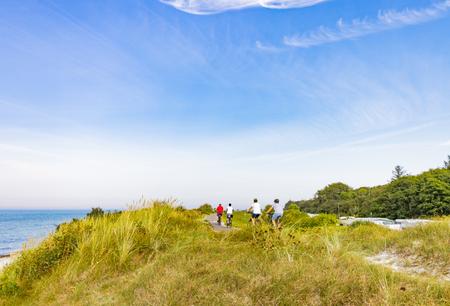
(212,219)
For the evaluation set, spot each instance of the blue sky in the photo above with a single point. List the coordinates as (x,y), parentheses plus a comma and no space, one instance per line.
(205,101)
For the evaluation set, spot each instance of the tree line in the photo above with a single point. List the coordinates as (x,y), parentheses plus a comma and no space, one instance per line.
(405,196)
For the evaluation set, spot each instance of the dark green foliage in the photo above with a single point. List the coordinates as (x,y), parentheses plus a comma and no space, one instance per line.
(319,220)
(180,208)
(295,218)
(269,206)
(331,199)
(427,194)
(398,172)
(333,192)
(206,209)
(95,212)
(447,163)
(292,215)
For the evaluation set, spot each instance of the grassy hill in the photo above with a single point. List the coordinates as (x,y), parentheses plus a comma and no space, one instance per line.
(162,255)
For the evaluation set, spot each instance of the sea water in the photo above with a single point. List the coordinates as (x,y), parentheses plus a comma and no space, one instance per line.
(19,227)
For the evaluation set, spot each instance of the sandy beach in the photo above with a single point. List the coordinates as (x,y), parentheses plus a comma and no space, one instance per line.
(4,261)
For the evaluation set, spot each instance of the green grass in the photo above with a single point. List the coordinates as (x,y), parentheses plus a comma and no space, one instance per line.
(161,255)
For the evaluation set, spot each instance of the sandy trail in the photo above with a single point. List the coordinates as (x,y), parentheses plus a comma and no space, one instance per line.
(212,219)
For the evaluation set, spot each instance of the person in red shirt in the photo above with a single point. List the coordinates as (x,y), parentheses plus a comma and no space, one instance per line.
(219,211)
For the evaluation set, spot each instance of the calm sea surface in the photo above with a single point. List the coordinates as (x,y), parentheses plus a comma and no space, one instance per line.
(20,226)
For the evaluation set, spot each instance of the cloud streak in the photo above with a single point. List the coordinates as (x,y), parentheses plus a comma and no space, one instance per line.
(386,20)
(208,7)
(267,48)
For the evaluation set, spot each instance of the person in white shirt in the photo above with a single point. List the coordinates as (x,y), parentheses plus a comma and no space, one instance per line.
(256,211)
(277,213)
(229,214)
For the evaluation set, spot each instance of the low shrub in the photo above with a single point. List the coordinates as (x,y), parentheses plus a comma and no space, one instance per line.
(205,209)
(323,220)
(292,216)
(295,218)
(95,212)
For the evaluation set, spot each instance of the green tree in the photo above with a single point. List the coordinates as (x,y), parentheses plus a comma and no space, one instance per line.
(206,209)
(447,163)
(434,197)
(398,172)
(332,192)
(399,199)
(95,212)
(293,215)
(330,198)
(426,194)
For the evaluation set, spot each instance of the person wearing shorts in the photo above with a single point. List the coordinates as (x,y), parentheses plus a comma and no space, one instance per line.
(256,211)
(278,213)
(229,212)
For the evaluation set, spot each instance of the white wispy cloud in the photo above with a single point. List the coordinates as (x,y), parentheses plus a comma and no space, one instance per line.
(385,20)
(207,7)
(267,48)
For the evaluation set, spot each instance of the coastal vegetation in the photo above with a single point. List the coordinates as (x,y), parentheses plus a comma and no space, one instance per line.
(406,196)
(163,254)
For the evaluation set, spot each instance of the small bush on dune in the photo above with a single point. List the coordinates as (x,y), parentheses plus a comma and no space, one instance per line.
(293,215)
(95,212)
(205,209)
(321,220)
(295,218)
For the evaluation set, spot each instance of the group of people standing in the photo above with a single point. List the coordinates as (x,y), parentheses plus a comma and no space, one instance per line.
(275,210)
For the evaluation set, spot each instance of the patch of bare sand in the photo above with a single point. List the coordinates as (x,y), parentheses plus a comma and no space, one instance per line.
(409,264)
(4,261)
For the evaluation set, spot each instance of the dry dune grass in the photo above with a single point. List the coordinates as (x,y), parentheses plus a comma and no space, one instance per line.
(165,256)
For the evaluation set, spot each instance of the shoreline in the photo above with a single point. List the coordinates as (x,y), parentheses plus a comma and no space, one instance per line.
(6,259)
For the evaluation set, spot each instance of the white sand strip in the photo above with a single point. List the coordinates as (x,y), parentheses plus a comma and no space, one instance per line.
(409,264)
(4,261)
